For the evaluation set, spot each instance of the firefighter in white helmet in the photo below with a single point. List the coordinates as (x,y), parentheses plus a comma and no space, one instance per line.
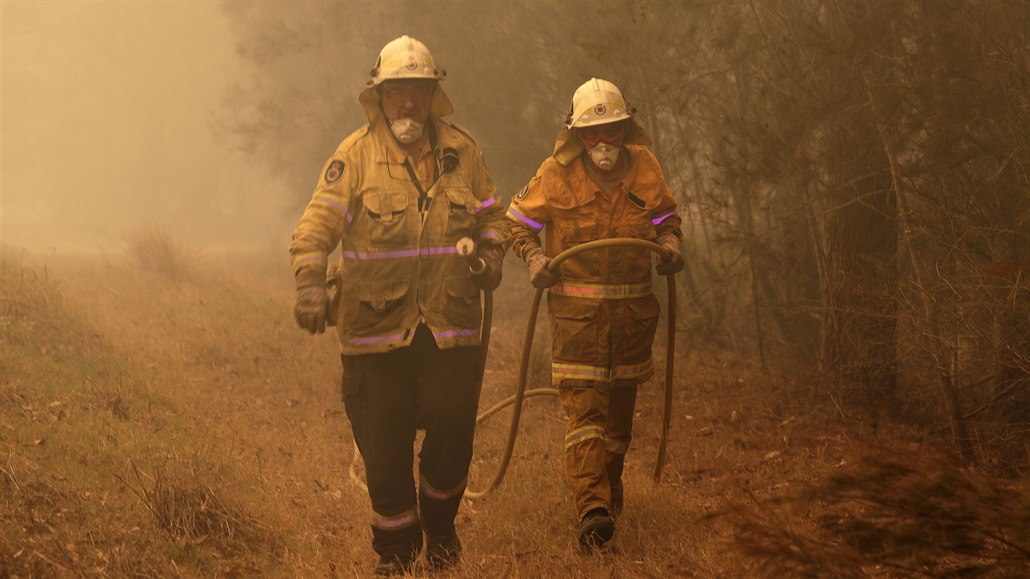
(600,182)
(396,196)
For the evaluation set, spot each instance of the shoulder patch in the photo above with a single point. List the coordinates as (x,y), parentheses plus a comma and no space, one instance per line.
(522,194)
(334,171)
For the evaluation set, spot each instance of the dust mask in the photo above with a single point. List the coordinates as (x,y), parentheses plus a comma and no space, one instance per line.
(407,130)
(604,156)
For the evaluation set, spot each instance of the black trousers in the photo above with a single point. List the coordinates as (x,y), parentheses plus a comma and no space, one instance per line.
(388,397)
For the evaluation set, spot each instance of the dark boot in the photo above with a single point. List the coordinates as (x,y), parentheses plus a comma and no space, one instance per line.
(442,552)
(596,529)
(394,566)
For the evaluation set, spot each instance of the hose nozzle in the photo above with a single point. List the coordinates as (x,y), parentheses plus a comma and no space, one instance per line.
(467,249)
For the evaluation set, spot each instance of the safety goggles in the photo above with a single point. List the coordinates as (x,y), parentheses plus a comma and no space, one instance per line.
(610,133)
(402,92)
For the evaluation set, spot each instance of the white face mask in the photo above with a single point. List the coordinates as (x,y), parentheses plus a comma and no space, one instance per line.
(604,156)
(407,130)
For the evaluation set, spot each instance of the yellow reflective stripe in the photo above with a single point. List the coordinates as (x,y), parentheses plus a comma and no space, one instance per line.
(561,371)
(617,446)
(603,291)
(440,495)
(631,371)
(583,434)
(395,522)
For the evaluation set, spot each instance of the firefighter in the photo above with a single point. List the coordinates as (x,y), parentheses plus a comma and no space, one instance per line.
(396,196)
(600,182)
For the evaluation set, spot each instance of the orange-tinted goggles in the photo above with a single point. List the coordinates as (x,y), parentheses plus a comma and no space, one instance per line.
(610,133)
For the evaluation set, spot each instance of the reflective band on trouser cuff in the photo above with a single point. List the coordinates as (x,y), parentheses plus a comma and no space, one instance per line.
(441,495)
(603,291)
(617,446)
(518,216)
(400,253)
(333,203)
(560,371)
(583,434)
(658,220)
(486,204)
(456,332)
(395,522)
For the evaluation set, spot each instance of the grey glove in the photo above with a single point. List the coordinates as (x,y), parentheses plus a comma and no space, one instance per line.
(670,262)
(489,277)
(539,275)
(311,308)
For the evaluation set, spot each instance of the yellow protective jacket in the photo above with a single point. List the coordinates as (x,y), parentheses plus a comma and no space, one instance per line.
(399,269)
(603,310)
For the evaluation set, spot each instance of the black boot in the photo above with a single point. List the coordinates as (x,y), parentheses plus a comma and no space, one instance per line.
(442,552)
(596,529)
(394,566)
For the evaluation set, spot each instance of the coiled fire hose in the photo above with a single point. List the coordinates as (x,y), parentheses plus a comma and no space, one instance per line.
(521,393)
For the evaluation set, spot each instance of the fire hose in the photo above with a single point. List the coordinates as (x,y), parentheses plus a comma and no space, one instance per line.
(465,248)
(521,393)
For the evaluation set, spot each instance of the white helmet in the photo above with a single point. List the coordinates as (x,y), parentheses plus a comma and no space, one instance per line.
(597,102)
(405,57)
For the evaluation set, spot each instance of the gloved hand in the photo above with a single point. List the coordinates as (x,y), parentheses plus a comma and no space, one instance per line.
(311,308)
(490,276)
(670,262)
(539,275)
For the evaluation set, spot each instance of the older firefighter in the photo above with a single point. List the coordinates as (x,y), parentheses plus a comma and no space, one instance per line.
(397,195)
(598,183)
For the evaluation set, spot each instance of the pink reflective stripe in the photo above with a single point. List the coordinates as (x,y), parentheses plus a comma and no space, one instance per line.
(333,202)
(401,521)
(453,333)
(440,495)
(658,220)
(486,204)
(375,339)
(381,254)
(517,215)
(403,253)
(438,250)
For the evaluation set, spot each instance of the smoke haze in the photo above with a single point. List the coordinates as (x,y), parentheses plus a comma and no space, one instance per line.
(108,111)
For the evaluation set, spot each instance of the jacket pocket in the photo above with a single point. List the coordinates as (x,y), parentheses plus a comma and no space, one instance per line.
(575,329)
(370,303)
(461,308)
(461,213)
(388,212)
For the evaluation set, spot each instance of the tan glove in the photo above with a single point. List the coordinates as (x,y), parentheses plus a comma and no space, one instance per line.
(671,262)
(539,275)
(311,308)
(489,277)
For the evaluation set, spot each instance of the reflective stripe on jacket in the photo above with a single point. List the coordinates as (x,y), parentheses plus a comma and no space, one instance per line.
(398,266)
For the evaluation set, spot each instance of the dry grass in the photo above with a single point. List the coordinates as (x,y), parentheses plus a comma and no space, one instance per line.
(154,249)
(233,420)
